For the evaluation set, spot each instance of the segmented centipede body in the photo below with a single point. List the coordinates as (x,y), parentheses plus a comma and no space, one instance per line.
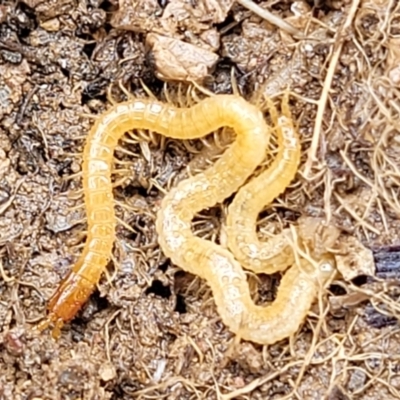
(275,254)
(208,260)
(205,190)
(223,272)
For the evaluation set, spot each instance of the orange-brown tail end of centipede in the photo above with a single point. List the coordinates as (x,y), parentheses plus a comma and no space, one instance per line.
(56,323)
(65,303)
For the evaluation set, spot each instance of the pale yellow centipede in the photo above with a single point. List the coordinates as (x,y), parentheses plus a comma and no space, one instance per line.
(208,260)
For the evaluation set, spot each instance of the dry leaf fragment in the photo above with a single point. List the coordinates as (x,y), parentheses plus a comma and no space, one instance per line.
(354,259)
(176,60)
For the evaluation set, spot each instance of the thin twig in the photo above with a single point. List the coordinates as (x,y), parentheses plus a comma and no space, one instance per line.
(8,203)
(273,19)
(260,381)
(339,41)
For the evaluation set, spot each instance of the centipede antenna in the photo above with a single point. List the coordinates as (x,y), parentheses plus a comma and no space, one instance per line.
(72,154)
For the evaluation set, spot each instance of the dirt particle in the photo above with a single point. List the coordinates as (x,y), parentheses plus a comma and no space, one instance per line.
(107,372)
(14,341)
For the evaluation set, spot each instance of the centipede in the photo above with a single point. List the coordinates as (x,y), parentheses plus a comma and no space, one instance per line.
(220,267)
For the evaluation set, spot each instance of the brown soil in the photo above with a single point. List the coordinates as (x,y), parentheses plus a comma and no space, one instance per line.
(151,331)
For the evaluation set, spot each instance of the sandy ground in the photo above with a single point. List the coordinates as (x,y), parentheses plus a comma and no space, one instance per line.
(151,331)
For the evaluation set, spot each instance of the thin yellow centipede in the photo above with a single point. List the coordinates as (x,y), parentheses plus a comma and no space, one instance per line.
(208,260)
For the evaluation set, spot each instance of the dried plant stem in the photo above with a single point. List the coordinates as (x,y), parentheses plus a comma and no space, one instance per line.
(337,49)
(268,16)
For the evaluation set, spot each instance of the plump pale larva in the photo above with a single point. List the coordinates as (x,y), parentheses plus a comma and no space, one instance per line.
(238,162)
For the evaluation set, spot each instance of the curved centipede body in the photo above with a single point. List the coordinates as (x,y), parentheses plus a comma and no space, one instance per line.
(189,123)
(275,254)
(224,274)
(208,260)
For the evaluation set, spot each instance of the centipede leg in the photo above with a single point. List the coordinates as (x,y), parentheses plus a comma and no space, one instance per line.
(121,171)
(191,96)
(125,91)
(75,195)
(90,116)
(273,112)
(73,176)
(81,221)
(81,235)
(167,94)
(78,207)
(109,96)
(202,89)
(126,207)
(147,90)
(122,162)
(235,87)
(120,182)
(125,225)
